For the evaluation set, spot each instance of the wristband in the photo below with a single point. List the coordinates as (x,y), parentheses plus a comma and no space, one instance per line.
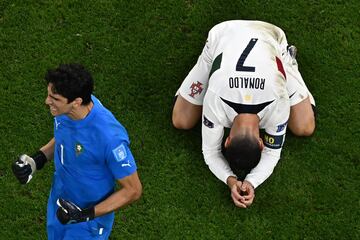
(40,159)
(88,213)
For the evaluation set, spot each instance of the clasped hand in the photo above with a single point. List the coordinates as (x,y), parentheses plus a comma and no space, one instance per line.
(242,193)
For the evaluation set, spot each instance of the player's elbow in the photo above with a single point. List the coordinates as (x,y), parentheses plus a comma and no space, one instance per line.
(302,125)
(136,192)
(308,132)
(181,122)
(305,130)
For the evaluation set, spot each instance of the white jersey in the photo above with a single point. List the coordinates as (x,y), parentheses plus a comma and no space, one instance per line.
(240,71)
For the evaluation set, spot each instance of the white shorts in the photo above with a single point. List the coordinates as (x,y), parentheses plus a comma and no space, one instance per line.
(295,84)
(194,91)
(194,86)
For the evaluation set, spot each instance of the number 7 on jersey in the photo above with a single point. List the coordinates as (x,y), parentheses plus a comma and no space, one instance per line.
(240,64)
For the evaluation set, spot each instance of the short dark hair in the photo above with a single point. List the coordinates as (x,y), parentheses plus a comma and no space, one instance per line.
(71,81)
(243,153)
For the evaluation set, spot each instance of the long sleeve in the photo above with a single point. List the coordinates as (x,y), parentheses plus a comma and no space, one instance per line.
(211,146)
(268,161)
(273,139)
(212,136)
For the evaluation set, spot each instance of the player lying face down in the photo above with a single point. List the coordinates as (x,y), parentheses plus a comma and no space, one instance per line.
(245,79)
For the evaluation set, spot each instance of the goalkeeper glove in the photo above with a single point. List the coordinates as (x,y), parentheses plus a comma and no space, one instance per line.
(69,213)
(25,166)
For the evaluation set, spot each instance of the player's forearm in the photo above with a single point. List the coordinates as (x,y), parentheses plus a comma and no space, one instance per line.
(263,170)
(117,200)
(120,198)
(218,165)
(231,181)
(48,149)
(211,148)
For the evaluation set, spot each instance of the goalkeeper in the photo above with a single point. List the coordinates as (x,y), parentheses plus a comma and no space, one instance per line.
(91,152)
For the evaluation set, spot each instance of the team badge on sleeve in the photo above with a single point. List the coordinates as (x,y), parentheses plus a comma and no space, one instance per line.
(120,153)
(281,127)
(208,123)
(196,88)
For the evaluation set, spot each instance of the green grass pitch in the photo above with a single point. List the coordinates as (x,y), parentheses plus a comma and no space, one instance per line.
(139,52)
